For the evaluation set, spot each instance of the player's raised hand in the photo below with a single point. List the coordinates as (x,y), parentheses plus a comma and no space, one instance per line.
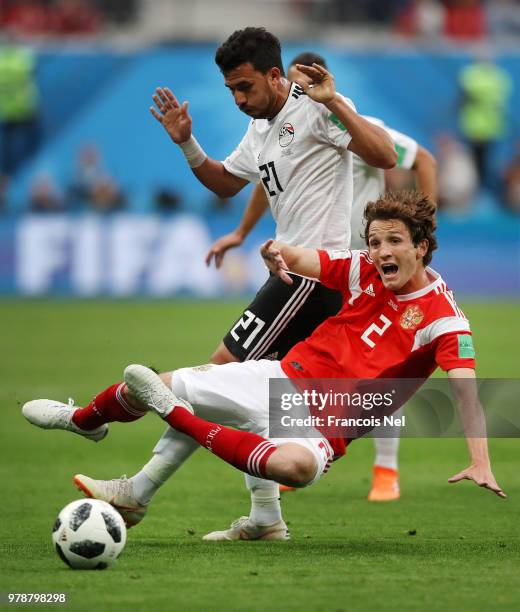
(322,87)
(173,116)
(275,262)
(219,247)
(480,475)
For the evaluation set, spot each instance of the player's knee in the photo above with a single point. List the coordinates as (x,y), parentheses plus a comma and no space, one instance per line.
(301,472)
(297,470)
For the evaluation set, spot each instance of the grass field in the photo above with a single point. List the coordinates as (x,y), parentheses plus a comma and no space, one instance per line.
(345,554)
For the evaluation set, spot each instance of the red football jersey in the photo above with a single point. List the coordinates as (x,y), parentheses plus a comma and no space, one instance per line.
(378,334)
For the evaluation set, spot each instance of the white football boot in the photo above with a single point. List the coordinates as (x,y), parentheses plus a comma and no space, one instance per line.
(244,529)
(51,414)
(150,390)
(118,492)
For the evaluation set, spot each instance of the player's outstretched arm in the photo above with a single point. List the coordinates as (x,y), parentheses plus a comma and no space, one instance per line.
(369,141)
(464,387)
(425,169)
(281,258)
(176,120)
(255,208)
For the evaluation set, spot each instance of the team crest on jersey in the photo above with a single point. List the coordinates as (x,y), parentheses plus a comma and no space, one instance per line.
(411,317)
(286,135)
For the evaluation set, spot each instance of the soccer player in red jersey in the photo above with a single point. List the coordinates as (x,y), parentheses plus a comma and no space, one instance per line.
(398,320)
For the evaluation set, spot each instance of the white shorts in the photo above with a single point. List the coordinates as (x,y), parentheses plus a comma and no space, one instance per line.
(237,395)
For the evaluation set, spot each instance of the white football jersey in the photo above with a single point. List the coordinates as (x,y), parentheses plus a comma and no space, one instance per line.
(302,160)
(369,182)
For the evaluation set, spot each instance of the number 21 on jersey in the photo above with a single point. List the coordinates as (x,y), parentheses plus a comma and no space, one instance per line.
(374,328)
(268,175)
(244,323)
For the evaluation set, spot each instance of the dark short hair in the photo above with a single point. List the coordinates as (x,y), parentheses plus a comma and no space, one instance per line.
(414,209)
(308,58)
(256,46)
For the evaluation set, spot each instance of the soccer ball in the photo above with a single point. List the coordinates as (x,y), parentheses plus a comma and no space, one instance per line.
(89,534)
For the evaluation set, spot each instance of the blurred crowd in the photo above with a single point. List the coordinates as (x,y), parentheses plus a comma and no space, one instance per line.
(453,19)
(459,19)
(30,18)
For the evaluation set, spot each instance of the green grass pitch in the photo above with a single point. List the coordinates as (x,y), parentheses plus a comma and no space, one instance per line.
(345,554)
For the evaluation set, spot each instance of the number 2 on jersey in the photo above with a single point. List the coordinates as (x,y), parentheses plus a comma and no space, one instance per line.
(374,328)
(266,178)
(244,323)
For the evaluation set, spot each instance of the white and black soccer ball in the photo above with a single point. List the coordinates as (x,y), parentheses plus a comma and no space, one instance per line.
(89,534)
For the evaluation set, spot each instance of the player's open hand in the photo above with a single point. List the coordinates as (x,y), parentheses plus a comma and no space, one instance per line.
(482,476)
(322,87)
(173,116)
(274,261)
(219,247)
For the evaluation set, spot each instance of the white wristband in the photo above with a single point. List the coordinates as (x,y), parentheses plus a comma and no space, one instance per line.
(193,152)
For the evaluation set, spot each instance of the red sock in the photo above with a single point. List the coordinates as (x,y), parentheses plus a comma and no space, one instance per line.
(246,451)
(109,405)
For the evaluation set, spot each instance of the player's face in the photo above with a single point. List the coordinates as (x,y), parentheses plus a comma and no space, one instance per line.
(397,260)
(255,93)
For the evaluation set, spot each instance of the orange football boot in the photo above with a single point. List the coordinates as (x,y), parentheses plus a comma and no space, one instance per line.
(286,489)
(385,484)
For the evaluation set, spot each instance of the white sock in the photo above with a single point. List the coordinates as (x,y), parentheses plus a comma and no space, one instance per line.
(265,501)
(386,452)
(387,449)
(144,488)
(172,450)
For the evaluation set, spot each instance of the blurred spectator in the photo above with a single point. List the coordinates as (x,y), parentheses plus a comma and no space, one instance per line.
(360,11)
(75,17)
(424,18)
(121,12)
(503,17)
(45,195)
(92,184)
(25,17)
(485,91)
(512,182)
(166,200)
(457,174)
(465,19)
(43,17)
(19,107)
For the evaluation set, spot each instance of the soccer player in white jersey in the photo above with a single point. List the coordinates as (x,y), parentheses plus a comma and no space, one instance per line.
(405,327)
(369,184)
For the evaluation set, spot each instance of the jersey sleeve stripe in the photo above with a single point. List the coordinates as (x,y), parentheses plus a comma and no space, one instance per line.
(438,328)
(339,254)
(451,301)
(354,277)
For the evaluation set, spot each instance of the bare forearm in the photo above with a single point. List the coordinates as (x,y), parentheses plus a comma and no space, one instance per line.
(369,141)
(425,167)
(299,260)
(472,416)
(255,208)
(213,175)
